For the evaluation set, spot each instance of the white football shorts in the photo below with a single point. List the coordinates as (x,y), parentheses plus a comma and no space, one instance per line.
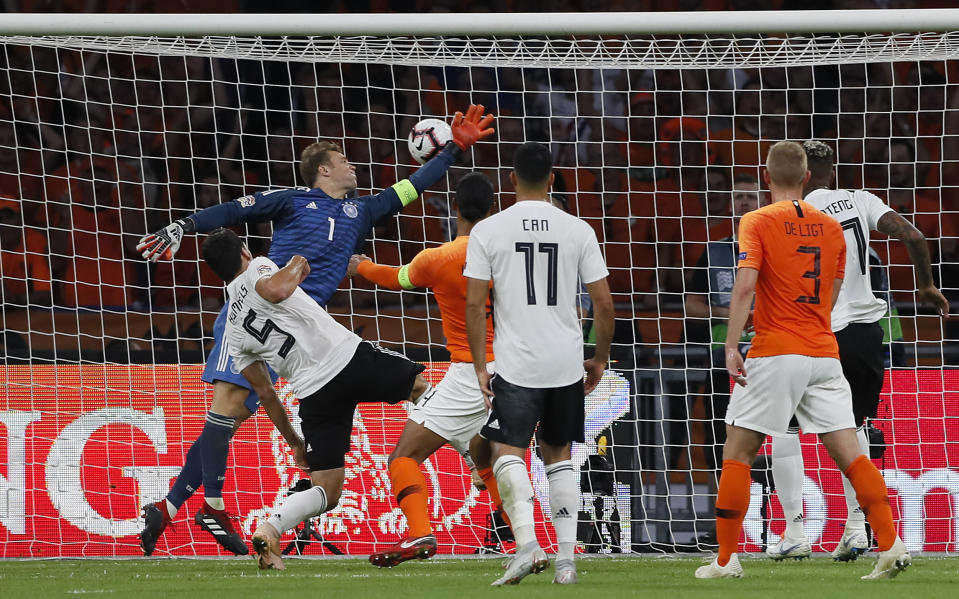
(777,387)
(456,410)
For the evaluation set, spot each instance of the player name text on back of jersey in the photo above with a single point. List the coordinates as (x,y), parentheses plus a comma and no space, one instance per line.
(837,206)
(535,224)
(803,229)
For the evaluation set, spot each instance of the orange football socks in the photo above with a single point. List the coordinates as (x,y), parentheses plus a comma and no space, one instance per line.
(731,505)
(873,499)
(491,487)
(409,487)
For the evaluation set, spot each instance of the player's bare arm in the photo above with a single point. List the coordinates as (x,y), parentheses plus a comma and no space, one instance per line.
(603,323)
(259,379)
(477,291)
(740,301)
(836,286)
(281,285)
(894,225)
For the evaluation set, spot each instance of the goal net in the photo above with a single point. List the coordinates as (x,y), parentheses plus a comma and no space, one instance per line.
(657,143)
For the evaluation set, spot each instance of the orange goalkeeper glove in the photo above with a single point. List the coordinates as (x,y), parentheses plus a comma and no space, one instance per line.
(471,128)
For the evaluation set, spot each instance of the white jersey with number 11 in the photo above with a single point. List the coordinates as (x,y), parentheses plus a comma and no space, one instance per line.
(536,255)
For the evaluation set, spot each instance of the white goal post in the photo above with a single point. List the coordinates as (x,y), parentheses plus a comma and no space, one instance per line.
(112,125)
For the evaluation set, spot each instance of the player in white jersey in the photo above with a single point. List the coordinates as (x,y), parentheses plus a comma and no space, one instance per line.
(855,319)
(271,321)
(536,255)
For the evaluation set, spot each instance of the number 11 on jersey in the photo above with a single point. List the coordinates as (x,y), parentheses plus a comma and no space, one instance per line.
(552,252)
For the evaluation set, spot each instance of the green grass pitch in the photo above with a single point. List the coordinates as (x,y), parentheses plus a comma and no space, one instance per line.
(664,577)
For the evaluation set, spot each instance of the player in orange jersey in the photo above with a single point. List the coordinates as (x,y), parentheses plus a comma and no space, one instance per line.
(793,257)
(455,412)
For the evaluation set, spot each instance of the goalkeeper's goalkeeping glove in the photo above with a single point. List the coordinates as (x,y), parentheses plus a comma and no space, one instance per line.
(165,242)
(469,129)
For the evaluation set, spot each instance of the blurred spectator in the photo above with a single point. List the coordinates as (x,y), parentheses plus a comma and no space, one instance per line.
(717,208)
(638,143)
(918,204)
(188,282)
(20,178)
(92,232)
(24,260)
(686,150)
(742,146)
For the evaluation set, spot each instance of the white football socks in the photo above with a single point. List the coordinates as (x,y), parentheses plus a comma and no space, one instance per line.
(564,504)
(298,507)
(215,503)
(517,494)
(788,476)
(855,518)
(171,509)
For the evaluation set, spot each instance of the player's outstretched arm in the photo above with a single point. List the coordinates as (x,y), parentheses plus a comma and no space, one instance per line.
(419,273)
(256,208)
(390,277)
(259,379)
(281,284)
(894,225)
(477,292)
(740,302)
(467,130)
(604,323)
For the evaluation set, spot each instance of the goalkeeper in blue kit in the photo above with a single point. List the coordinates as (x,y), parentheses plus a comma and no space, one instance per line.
(318,222)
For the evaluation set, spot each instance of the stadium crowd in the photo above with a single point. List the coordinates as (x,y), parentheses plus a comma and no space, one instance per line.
(97,149)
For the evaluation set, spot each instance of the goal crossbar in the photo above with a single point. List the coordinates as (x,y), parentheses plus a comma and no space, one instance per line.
(408,24)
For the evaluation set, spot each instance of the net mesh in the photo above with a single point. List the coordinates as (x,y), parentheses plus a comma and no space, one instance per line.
(654,139)
(646,52)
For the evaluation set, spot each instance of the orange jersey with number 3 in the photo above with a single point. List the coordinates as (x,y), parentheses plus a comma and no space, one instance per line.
(799,252)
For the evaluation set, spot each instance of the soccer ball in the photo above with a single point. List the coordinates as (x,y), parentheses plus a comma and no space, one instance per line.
(427,138)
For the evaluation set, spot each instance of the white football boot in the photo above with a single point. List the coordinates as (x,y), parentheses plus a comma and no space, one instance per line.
(732,569)
(852,544)
(790,549)
(530,559)
(891,563)
(565,572)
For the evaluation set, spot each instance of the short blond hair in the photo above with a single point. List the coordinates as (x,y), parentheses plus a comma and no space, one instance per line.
(786,163)
(313,156)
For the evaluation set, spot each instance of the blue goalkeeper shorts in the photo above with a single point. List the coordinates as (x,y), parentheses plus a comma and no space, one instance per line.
(219,365)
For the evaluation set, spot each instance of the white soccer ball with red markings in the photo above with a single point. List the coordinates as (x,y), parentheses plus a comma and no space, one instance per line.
(427,138)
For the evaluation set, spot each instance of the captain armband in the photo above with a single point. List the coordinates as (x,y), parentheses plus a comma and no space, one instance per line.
(406,191)
(404,277)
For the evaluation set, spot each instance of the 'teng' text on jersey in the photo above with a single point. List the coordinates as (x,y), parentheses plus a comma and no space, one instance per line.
(799,252)
(858,212)
(296,337)
(535,254)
